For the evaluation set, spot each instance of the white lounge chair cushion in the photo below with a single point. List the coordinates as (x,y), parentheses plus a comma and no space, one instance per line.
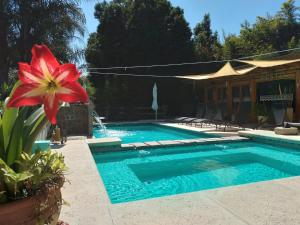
(286,131)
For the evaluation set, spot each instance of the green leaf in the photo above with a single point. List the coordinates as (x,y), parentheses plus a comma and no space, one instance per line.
(2,149)
(15,146)
(13,180)
(34,116)
(8,119)
(3,194)
(8,122)
(38,126)
(31,122)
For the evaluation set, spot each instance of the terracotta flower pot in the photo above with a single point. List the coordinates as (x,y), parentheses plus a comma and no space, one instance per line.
(41,208)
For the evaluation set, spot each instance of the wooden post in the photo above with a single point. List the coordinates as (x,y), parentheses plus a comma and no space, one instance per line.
(297,88)
(215,96)
(229,97)
(253,99)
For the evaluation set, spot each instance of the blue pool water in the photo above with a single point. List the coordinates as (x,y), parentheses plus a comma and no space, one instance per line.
(142,174)
(130,133)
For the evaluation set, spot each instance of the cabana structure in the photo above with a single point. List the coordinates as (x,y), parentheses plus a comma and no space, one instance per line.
(238,91)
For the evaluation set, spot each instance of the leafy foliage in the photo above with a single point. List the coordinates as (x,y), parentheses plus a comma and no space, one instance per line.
(25,23)
(267,34)
(88,86)
(206,43)
(21,172)
(138,33)
(36,171)
(18,132)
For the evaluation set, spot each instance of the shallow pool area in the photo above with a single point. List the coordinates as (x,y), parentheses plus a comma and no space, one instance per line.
(145,132)
(150,173)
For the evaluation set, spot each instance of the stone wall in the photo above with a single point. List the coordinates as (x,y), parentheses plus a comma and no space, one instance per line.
(76,120)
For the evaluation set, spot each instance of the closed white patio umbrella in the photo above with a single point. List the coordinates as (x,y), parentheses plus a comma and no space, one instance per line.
(154,102)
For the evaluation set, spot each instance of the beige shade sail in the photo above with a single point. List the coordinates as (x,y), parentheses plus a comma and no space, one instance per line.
(226,70)
(270,63)
(196,77)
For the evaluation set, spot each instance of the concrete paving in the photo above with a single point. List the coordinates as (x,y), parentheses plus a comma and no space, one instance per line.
(210,129)
(104,142)
(275,202)
(270,135)
(83,192)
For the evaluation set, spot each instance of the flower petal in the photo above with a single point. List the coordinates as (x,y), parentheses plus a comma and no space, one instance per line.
(29,75)
(72,92)
(22,96)
(66,73)
(43,60)
(51,107)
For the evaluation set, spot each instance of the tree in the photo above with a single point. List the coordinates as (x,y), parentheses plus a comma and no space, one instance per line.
(267,34)
(289,12)
(137,33)
(233,47)
(206,43)
(25,23)
(5,24)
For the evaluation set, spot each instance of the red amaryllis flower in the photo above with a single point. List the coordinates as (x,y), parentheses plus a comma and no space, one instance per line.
(47,82)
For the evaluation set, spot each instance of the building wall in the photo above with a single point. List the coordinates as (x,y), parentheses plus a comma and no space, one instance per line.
(285,72)
(76,120)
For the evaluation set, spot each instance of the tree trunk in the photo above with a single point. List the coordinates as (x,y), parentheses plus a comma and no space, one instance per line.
(24,48)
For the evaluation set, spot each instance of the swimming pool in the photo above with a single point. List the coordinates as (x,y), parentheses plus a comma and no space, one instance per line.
(142,174)
(130,133)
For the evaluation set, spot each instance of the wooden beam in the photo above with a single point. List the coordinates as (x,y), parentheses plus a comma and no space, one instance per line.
(215,96)
(253,99)
(229,97)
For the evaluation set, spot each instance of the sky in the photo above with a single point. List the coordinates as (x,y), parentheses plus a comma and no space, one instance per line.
(226,15)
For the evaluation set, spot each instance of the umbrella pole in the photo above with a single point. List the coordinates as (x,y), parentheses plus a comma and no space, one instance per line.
(155,114)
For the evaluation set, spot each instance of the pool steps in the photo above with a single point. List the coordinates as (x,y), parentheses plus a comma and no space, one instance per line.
(104,142)
(114,144)
(184,142)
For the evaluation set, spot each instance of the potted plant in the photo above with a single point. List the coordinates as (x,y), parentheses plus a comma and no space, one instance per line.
(30,182)
(261,113)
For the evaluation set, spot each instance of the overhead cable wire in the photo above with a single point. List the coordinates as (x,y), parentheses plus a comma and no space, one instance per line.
(159,65)
(189,63)
(133,75)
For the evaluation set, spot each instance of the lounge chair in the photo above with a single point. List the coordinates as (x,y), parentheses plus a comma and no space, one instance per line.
(290,124)
(188,120)
(180,119)
(209,115)
(217,120)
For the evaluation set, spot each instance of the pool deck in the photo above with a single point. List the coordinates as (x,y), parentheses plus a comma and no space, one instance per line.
(207,129)
(270,135)
(275,202)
